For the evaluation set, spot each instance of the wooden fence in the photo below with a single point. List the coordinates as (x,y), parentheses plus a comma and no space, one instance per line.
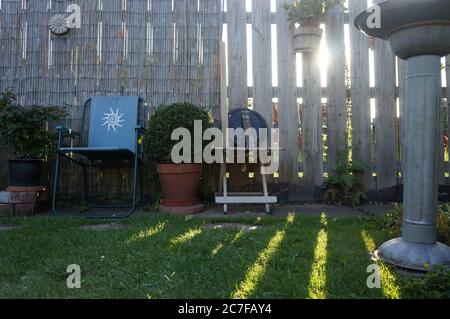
(167,50)
(316,121)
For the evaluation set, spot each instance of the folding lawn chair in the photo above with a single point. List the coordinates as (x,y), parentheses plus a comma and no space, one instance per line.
(114,127)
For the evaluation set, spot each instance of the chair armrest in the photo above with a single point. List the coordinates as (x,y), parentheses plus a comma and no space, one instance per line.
(67,131)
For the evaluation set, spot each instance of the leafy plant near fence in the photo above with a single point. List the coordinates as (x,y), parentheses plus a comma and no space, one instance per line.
(24,130)
(434,285)
(158,141)
(393,220)
(345,186)
(308,12)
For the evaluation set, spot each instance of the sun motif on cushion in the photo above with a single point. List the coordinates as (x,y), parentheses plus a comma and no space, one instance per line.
(113,119)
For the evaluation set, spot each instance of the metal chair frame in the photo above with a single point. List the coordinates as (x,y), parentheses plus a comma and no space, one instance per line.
(136,157)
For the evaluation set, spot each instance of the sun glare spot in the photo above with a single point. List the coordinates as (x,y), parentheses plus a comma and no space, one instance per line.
(152,231)
(191,233)
(237,236)
(290,218)
(216,249)
(389,285)
(323,219)
(318,275)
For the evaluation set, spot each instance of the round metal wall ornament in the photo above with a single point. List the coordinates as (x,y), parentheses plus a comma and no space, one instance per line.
(58,24)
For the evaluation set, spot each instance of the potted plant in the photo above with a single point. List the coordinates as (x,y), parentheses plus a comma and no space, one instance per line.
(179,182)
(23,131)
(305,17)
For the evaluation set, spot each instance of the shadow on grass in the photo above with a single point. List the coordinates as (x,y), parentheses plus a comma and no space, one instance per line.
(286,274)
(348,259)
(173,257)
(184,260)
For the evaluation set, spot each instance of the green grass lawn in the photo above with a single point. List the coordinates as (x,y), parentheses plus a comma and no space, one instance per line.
(156,256)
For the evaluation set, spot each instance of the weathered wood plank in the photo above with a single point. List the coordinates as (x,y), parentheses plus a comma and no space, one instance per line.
(336,104)
(136,27)
(287,103)
(163,43)
(237,54)
(262,59)
(360,92)
(385,143)
(262,67)
(237,76)
(312,122)
(211,35)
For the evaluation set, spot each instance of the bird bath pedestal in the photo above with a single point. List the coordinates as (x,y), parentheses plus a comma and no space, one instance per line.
(418,32)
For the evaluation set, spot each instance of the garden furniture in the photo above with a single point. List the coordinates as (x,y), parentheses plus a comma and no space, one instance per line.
(113,125)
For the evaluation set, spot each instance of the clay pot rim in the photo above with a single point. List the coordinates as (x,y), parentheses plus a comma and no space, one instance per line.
(179,168)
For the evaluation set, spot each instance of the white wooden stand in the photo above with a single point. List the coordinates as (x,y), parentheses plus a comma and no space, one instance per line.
(226,198)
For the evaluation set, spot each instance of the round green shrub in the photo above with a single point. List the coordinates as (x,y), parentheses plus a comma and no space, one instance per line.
(158,143)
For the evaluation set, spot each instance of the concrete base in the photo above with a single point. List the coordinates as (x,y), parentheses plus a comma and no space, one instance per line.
(183,210)
(413,256)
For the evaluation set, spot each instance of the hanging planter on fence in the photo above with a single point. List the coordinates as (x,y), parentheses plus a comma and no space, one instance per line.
(304,18)
(307,39)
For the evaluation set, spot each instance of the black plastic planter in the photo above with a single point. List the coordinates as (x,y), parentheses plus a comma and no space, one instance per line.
(25,172)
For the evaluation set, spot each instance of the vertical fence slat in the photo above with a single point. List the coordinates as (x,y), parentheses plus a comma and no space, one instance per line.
(360,92)
(237,75)
(237,54)
(262,66)
(336,105)
(312,121)
(385,114)
(135,19)
(262,58)
(208,41)
(287,103)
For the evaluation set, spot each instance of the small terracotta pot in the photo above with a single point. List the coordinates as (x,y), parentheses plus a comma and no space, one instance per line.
(179,183)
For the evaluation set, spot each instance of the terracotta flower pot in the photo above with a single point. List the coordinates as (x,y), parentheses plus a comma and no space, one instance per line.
(307,39)
(179,183)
